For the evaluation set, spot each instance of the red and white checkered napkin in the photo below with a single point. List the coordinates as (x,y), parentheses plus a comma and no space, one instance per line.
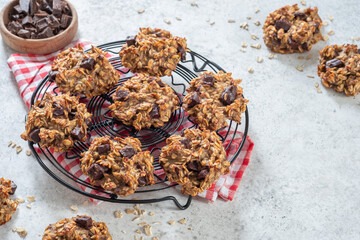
(30,69)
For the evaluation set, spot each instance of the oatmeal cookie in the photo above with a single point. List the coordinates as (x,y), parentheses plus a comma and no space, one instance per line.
(7,205)
(144,101)
(88,73)
(155,52)
(291,30)
(194,160)
(118,166)
(339,68)
(57,122)
(214,97)
(76,228)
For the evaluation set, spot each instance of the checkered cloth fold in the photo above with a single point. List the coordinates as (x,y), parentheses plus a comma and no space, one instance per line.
(30,69)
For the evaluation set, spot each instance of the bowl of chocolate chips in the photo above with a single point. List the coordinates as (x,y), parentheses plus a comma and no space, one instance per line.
(38,26)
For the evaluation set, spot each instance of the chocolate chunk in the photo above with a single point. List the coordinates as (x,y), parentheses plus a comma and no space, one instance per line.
(209,79)
(142,181)
(317,29)
(13,188)
(185,142)
(18,10)
(27,21)
(193,166)
(24,5)
(293,45)
(24,33)
(131,40)
(103,148)
(66,9)
(46,33)
(14,27)
(96,171)
(300,15)
(158,34)
(182,52)
(202,174)
(121,95)
(54,23)
(15,17)
(65,21)
(229,95)
(88,63)
(84,222)
(194,100)
(334,63)
(282,23)
(33,35)
(44,5)
(34,135)
(160,83)
(72,115)
(57,8)
(275,40)
(128,151)
(33,7)
(42,24)
(155,113)
(77,134)
(304,46)
(58,110)
(52,75)
(358,51)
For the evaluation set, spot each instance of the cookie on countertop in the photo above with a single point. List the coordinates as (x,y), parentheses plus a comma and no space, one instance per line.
(78,72)
(76,228)
(153,51)
(291,30)
(7,205)
(214,97)
(339,68)
(194,160)
(57,122)
(118,165)
(144,101)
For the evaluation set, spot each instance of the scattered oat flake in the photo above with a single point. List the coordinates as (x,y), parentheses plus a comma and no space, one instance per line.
(257,22)
(136,218)
(244,25)
(194,4)
(231,21)
(300,57)
(157,222)
(20,230)
(13,145)
(31,198)
(357,38)
(244,44)
(254,37)
(118,214)
(151,213)
(171,222)
(139,212)
(325,23)
(242,50)
(310,76)
(167,21)
(155,238)
(138,231)
(303,2)
(177,18)
(29,206)
(140,11)
(147,230)
(142,223)
(326,38)
(141,238)
(250,70)
(207,20)
(10,143)
(248,18)
(331,18)
(130,211)
(20,200)
(74,208)
(299,68)
(318,90)
(189,228)
(259,59)
(309,56)
(123,231)
(18,149)
(85,203)
(212,23)
(271,56)
(257,10)
(316,84)
(332,32)
(28,152)
(257,46)
(135,237)
(182,221)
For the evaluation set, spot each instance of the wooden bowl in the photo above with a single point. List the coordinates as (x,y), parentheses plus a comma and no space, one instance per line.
(37,46)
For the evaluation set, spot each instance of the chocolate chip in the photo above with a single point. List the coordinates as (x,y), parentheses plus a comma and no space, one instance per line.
(300,15)
(77,134)
(194,100)
(88,63)
(185,142)
(334,63)
(44,5)
(128,151)
(131,40)
(96,171)
(293,45)
(304,46)
(142,181)
(13,188)
(57,8)
(14,27)
(54,23)
(229,95)
(52,75)
(46,33)
(58,110)
(34,135)
(155,113)
(18,10)
(160,83)
(103,148)
(27,21)
(282,23)
(193,166)
(209,79)
(158,34)
(72,115)
(121,94)
(182,52)
(42,24)
(33,7)
(84,222)
(202,174)
(65,21)
(24,33)
(317,29)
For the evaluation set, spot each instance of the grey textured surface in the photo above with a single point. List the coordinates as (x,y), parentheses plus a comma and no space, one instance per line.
(303,178)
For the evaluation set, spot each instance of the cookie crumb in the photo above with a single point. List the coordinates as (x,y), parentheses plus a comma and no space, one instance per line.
(250,69)
(303,2)
(182,221)
(257,22)
(248,18)
(140,11)
(31,199)
(171,222)
(259,59)
(147,230)
(74,208)
(167,21)
(118,214)
(231,21)
(20,230)
(28,152)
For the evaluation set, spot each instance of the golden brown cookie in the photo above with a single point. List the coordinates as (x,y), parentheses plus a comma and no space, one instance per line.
(118,166)
(7,205)
(339,68)
(57,122)
(214,97)
(153,51)
(290,30)
(194,160)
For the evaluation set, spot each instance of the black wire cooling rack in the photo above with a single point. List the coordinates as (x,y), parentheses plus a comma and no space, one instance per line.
(103,124)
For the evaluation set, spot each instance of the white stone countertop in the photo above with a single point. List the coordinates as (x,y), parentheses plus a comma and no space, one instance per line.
(303,178)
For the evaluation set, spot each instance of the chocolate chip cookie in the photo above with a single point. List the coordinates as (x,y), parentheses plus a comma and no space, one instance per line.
(339,68)
(291,30)
(57,122)
(76,228)
(153,51)
(7,205)
(118,165)
(144,101)
(194,160)
(214,97)
(88,73)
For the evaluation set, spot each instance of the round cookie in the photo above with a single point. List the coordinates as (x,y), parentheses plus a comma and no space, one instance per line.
(57,122)
(214,97)
(118,166)
(194,160)
(144,101)
(7,205)
(76,228)
(339,68)
(291,30)
(153,51)
(87,73)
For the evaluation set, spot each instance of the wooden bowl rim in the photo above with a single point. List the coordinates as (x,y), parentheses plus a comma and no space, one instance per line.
(4,28)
